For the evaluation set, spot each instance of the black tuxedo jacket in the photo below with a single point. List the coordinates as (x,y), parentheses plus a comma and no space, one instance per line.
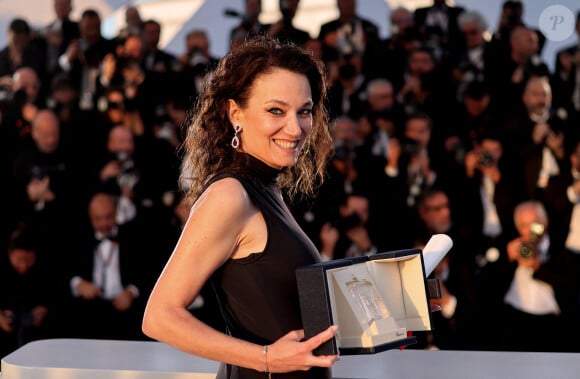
(563,87)
(453,33)
(370,30)
(132,262)
(557,204)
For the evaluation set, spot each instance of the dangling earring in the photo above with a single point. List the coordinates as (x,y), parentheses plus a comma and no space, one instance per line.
(236,139)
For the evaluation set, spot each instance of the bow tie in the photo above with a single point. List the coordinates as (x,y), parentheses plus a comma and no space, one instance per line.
(113,236)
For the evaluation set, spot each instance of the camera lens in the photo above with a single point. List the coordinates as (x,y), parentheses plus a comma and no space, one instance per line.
(527,250)
(485,159)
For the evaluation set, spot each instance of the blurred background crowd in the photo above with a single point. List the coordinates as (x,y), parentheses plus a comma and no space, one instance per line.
(442,127)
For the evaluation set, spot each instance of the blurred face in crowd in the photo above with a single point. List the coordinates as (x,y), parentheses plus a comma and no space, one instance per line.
(493,147)
(476,107)
(346,8)
(90,28)
(151,35)
(524,42)
(132,17)
(121,140)
(419,130)
(62,8)
(22,260)
(102,213)
(435,213)
(420,62)
(115,107)
(358,205)
(27,80)
(537,96)
(473,36)
(345,130)
(525,217)
(198,41)
(511,16)
(133,48)
(18,41)
(401,21)
(46,131)
(380,96)
(277,118)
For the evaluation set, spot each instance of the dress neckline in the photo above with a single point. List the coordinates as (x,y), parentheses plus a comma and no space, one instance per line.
(249,165)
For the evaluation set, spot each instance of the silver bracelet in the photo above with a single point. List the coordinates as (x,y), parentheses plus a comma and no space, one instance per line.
(265,353)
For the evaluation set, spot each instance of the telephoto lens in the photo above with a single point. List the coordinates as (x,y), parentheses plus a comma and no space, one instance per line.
(529,249)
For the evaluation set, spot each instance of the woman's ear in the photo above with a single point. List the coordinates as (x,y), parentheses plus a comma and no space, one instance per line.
(234,112)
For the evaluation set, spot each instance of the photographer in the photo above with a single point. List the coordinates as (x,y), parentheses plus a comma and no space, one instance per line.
(249,25)
(541,292)
(346,95)
(347,235)
(283,29)
(119,174)
(488,197)
(536,137)
(19,103)
(25,292)
(44,187)
(20,51)
(83,57)
(136,170)
(563,202)
(197,62)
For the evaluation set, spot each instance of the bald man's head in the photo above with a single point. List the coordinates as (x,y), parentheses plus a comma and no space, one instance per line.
(46,131)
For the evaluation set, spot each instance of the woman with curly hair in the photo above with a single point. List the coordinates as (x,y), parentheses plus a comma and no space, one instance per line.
(259,131)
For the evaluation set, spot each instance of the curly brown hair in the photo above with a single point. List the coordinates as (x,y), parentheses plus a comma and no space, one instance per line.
(207,144)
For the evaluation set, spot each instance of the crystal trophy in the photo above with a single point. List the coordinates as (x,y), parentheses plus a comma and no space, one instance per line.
(368,299)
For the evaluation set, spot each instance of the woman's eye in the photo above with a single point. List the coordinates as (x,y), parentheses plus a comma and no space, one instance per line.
(276,111)
(306,112)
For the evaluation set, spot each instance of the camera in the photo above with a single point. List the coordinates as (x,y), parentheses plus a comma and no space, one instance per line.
(129,177)
(349,222)
(198,61)
(409,146)
(486,159)
(529,249)
(342,153)
(5,94)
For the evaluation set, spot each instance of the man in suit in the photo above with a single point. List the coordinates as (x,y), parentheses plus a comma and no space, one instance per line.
(106,281)
(536,137)
(438,23)
(562,199)
(457,325)
(284,29)
(59,33)
(83,57)
(347,34)
(541,290)
(566,78)
(249,25)
(156,59)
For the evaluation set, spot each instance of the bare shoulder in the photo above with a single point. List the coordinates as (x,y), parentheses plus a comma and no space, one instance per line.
(226,197)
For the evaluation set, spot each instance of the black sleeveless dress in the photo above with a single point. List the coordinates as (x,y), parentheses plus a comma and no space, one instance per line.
(258,294)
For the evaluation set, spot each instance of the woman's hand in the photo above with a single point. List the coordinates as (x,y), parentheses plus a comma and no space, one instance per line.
(291,353)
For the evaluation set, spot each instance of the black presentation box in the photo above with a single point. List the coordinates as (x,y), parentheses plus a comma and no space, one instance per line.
(374,301)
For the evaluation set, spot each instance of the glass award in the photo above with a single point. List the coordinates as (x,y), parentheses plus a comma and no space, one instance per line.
(368,299)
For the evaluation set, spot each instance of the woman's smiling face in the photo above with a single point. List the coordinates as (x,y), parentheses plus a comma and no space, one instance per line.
(277,119)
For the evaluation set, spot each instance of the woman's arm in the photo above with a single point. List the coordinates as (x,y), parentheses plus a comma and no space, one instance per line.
(223,223)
